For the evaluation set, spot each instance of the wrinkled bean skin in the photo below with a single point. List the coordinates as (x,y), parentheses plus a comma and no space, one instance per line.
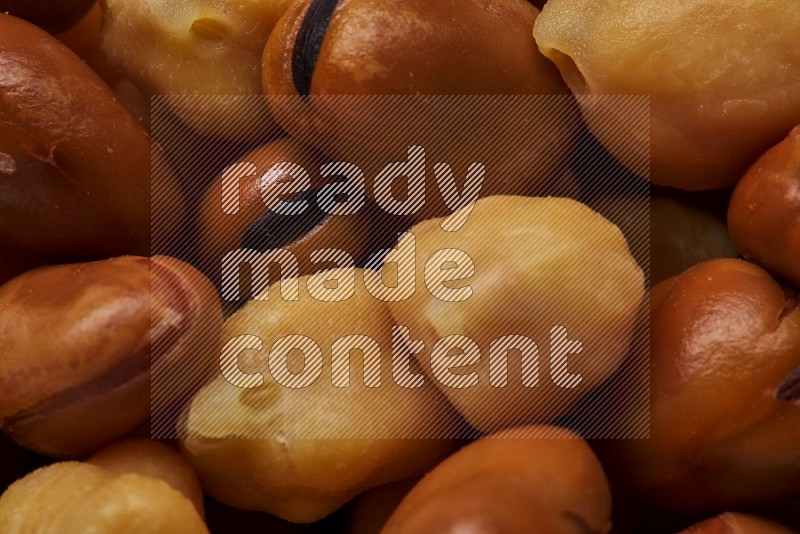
(342,100)
(210,48)
(78,344)
(153,459)
(733,523)
(144,148)
(764,214)
(49,15)
(74,162)
(303,453)
(723,80)
(724,419)
(538,263)
(534,479)
(80,497)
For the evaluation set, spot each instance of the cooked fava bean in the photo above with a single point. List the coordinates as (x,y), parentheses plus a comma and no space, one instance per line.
(723,80)
(539,296)
(534,479)
(764,214)
(678,231)
(78,344)
(724,355)
(80,497)
(328,48)
(733,523)
(206,48)
(47,14)
(365,337)
(240,211)
(272,437)
(74,163)
(153,459)
(335,81)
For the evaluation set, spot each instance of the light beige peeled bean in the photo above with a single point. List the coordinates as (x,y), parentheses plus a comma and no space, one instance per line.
(80,497)
(151,458)
(301,453)
(533,306)
(206,48)
(723,80)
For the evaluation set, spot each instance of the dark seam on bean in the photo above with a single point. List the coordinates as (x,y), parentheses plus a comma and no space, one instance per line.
(274,230)
(789,389)
(132,368)
(308,44)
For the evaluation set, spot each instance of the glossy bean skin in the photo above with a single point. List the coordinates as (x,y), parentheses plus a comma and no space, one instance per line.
(724,355)
(226,229)
(360,100)
(764,213)
(723,80)
(75,182)
(81,497)
(80,343)
(534,479)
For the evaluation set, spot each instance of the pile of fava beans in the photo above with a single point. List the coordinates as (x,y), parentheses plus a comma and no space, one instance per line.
(400,266)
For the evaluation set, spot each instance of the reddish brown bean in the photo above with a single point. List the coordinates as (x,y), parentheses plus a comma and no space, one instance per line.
(764,214)
(153,459)
(75,179)
(724,358)
(78,344)
(548,482)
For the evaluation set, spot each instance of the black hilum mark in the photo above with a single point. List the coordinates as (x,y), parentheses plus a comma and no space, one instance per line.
(274,230)
(309,42)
